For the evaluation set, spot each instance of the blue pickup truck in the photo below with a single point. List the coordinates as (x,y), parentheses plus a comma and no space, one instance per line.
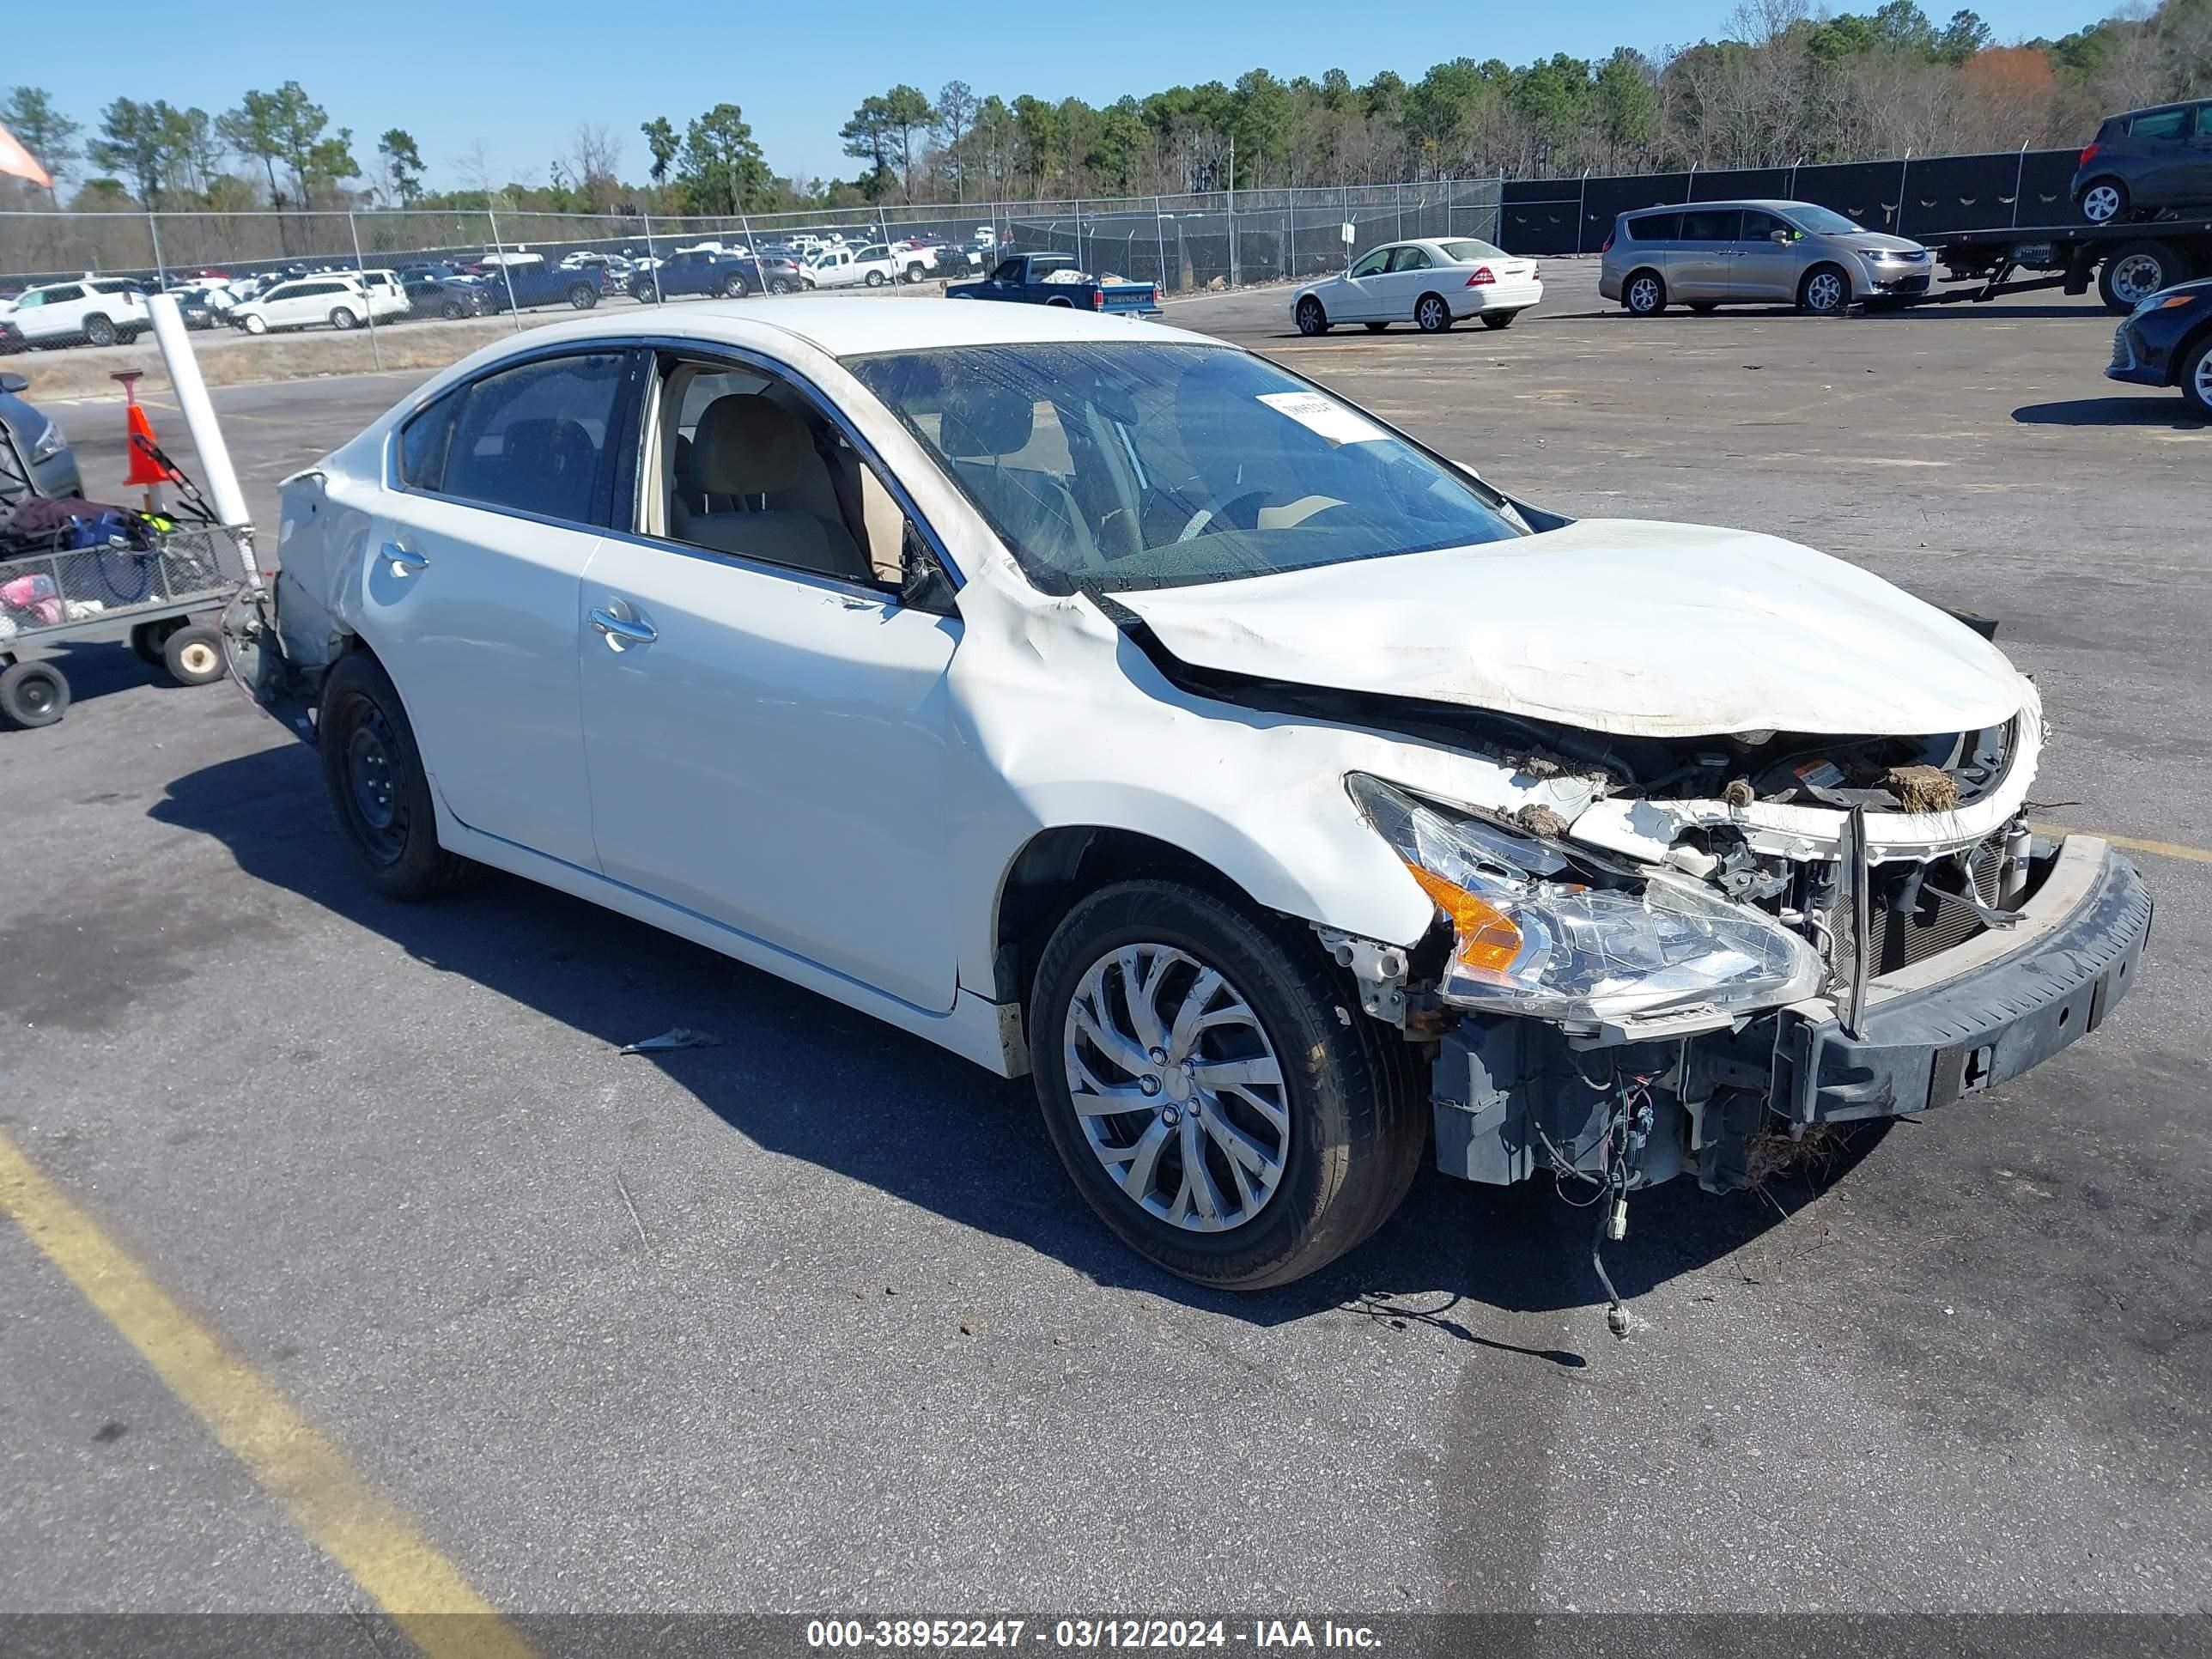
(710,270)
(525,280)
(1030,279)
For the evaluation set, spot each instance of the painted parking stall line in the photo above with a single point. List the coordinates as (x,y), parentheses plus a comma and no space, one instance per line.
(326,1498)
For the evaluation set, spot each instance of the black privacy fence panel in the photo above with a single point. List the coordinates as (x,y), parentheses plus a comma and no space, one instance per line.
(1923,195)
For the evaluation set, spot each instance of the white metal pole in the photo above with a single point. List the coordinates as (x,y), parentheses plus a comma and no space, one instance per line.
(652,256)
(367,296)
(229,502)
(506,271)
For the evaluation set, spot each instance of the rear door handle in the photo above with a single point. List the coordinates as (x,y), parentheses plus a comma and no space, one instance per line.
(621,633)
(405,558)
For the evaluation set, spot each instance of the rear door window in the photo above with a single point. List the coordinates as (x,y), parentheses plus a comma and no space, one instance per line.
(538,438)
(1656,227)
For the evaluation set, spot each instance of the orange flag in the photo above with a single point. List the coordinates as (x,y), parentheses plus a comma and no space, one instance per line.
(15,159)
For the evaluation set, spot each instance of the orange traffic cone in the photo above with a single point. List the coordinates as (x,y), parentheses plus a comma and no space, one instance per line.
(146,472)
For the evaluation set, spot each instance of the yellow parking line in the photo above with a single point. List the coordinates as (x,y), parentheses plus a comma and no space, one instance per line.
(418,1588)
(2165,849)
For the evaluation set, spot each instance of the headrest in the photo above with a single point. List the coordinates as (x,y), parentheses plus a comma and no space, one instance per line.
(985,421)
(745,445)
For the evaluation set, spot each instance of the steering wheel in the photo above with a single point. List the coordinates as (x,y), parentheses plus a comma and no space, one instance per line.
(1241,513)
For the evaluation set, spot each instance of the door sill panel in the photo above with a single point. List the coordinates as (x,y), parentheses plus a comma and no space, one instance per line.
(972,1027)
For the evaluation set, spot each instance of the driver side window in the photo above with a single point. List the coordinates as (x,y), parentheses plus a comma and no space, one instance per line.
(1373,264)
(748,466)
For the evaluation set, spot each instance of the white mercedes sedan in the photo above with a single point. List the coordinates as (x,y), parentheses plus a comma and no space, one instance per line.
(1102,700)
(1430,283)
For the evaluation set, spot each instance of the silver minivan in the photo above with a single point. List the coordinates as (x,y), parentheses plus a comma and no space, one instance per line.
(1715,253)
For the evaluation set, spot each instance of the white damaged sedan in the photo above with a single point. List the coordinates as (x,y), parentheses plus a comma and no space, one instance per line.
(1100,700)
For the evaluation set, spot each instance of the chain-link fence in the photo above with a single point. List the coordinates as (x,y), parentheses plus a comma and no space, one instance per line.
(86,273)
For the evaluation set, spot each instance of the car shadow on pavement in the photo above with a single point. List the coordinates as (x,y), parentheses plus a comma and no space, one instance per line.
(2168,411)
(808,1079)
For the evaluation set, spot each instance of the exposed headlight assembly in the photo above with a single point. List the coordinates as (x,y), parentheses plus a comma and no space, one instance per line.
(1536,935)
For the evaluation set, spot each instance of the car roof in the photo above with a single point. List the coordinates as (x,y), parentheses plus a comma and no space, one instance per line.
(1769,203)
(855,326)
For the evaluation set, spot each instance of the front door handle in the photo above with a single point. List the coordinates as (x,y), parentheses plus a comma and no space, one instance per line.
(621,633)
(404,559)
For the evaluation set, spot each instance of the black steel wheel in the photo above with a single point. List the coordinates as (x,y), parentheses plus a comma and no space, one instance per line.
(378,786)
(33,694)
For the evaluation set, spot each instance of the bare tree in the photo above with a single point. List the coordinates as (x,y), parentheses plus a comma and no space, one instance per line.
(594,154)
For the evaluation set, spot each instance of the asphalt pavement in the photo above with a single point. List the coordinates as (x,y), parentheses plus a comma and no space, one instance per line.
(809,1319)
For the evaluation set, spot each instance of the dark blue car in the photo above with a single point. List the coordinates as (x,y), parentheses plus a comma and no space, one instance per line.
(2167,340)
(707,271)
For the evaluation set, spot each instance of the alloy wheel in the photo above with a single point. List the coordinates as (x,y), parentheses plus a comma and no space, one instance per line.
(1431,315)
(1825,293)
(2201,382)
(1643,294)
(2102,203)
(1177,1088)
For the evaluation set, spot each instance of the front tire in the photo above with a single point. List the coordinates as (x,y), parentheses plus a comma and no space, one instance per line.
(2196,378)
(378,786)
(1826,291)
(2105,202)
(342,320)
(256,324)
(1431,314)
(1213,1090)
(1311,318)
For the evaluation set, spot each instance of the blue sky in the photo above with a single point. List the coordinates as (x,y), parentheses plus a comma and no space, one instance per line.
(520,77)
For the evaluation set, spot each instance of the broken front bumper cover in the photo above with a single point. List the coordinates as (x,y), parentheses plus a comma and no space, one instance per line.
(1516,1096)
(1951,1027)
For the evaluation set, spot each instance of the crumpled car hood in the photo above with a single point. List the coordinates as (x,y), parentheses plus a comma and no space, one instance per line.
(1611,625)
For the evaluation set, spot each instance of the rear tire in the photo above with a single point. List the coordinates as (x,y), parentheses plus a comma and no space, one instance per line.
(452,311)
(875,279)
(33,694)
(1431,315)
(1329,1155)
(2105,202)
(1311,317)
(147,639)
(100,331)
(1644,293)
(378,787)
(193,656)
(1498,318)
(2135,271)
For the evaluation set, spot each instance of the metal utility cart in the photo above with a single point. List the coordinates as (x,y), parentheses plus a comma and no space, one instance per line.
(51,592)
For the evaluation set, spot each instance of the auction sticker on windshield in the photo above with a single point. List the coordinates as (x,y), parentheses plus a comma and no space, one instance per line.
(1327,417)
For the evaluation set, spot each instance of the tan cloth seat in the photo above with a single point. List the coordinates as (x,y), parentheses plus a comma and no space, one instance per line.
(746,449)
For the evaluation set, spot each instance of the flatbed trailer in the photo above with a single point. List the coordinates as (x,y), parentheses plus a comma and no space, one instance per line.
(2127,262)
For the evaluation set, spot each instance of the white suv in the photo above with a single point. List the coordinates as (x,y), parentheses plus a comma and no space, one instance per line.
(98,311)
(336,298)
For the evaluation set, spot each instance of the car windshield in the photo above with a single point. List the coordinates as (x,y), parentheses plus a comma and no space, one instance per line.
(1821,222)
(1465,250)
(1108,466)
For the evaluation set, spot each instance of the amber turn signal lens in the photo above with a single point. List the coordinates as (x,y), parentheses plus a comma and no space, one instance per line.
(1488,940)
